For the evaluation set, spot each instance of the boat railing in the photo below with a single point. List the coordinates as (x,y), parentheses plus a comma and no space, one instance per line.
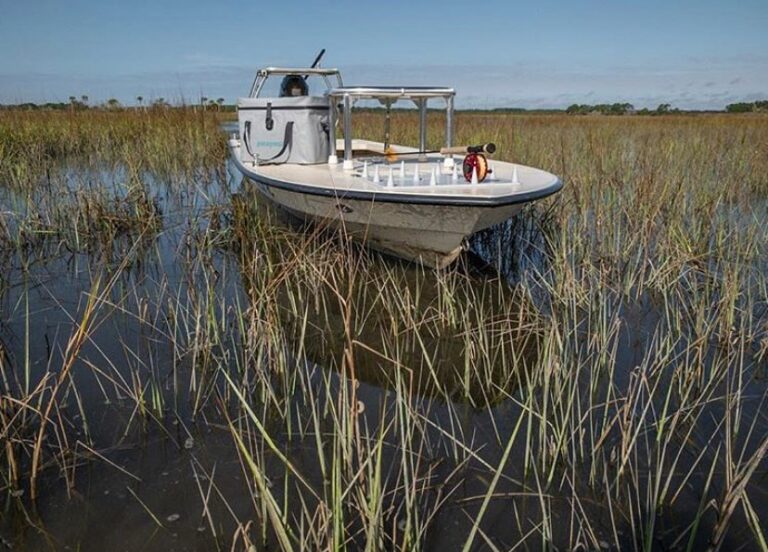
(325,73)
(386,95)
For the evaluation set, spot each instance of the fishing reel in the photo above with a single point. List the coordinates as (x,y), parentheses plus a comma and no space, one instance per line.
(475,161)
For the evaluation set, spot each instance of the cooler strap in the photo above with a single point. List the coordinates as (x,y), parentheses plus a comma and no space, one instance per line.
(287,143)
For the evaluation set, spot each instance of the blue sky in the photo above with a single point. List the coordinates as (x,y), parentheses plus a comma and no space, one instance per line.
(549,53)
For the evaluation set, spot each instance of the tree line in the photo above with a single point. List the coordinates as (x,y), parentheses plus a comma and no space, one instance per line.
(82,103)
(747,107)
(620,109)
(208,104)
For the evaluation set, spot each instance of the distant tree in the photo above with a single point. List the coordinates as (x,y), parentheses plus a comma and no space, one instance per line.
(139,99)
(508,109)
(112,103)
(742,107)
(620,108)
(576,109)
(84,99)
(663,109)
(605,109)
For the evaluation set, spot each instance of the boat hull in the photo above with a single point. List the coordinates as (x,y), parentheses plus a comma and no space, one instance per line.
(432,235)
(417,209)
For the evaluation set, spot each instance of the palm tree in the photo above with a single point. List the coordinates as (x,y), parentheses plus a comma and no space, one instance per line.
(84,99)
(220,103)
(139,99)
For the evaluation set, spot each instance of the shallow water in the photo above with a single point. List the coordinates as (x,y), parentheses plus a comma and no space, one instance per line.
(154,475)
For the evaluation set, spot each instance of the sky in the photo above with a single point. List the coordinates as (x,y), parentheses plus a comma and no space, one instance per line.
(699,54)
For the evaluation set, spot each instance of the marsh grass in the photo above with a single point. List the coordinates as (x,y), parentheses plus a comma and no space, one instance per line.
(603,388)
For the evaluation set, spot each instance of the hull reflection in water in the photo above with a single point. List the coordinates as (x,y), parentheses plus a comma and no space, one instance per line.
(479,350)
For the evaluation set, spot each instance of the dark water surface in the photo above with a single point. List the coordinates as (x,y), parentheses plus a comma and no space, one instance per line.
(170,478)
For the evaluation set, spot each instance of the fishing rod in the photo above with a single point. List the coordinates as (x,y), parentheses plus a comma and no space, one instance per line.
(316,62)
(474,165)
(318,58)
(482,149)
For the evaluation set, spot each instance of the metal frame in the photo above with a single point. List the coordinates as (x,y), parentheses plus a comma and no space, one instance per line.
(386,95)
(263,74)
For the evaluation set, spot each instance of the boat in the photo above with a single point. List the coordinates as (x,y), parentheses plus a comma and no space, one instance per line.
(407,201)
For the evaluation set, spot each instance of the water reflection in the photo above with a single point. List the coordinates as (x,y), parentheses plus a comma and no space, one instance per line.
(475,352)
(220,268)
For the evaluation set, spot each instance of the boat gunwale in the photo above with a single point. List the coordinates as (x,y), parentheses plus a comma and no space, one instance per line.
(389,197)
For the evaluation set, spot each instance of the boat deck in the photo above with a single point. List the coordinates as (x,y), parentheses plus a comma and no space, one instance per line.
(409,178)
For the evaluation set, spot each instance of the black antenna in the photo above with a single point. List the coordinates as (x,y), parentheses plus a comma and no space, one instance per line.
(316,62)
(318,58)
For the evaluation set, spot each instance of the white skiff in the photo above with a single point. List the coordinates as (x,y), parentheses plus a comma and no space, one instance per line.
(400,200)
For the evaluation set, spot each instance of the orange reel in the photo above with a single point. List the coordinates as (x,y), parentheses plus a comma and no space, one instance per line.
(477,162)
